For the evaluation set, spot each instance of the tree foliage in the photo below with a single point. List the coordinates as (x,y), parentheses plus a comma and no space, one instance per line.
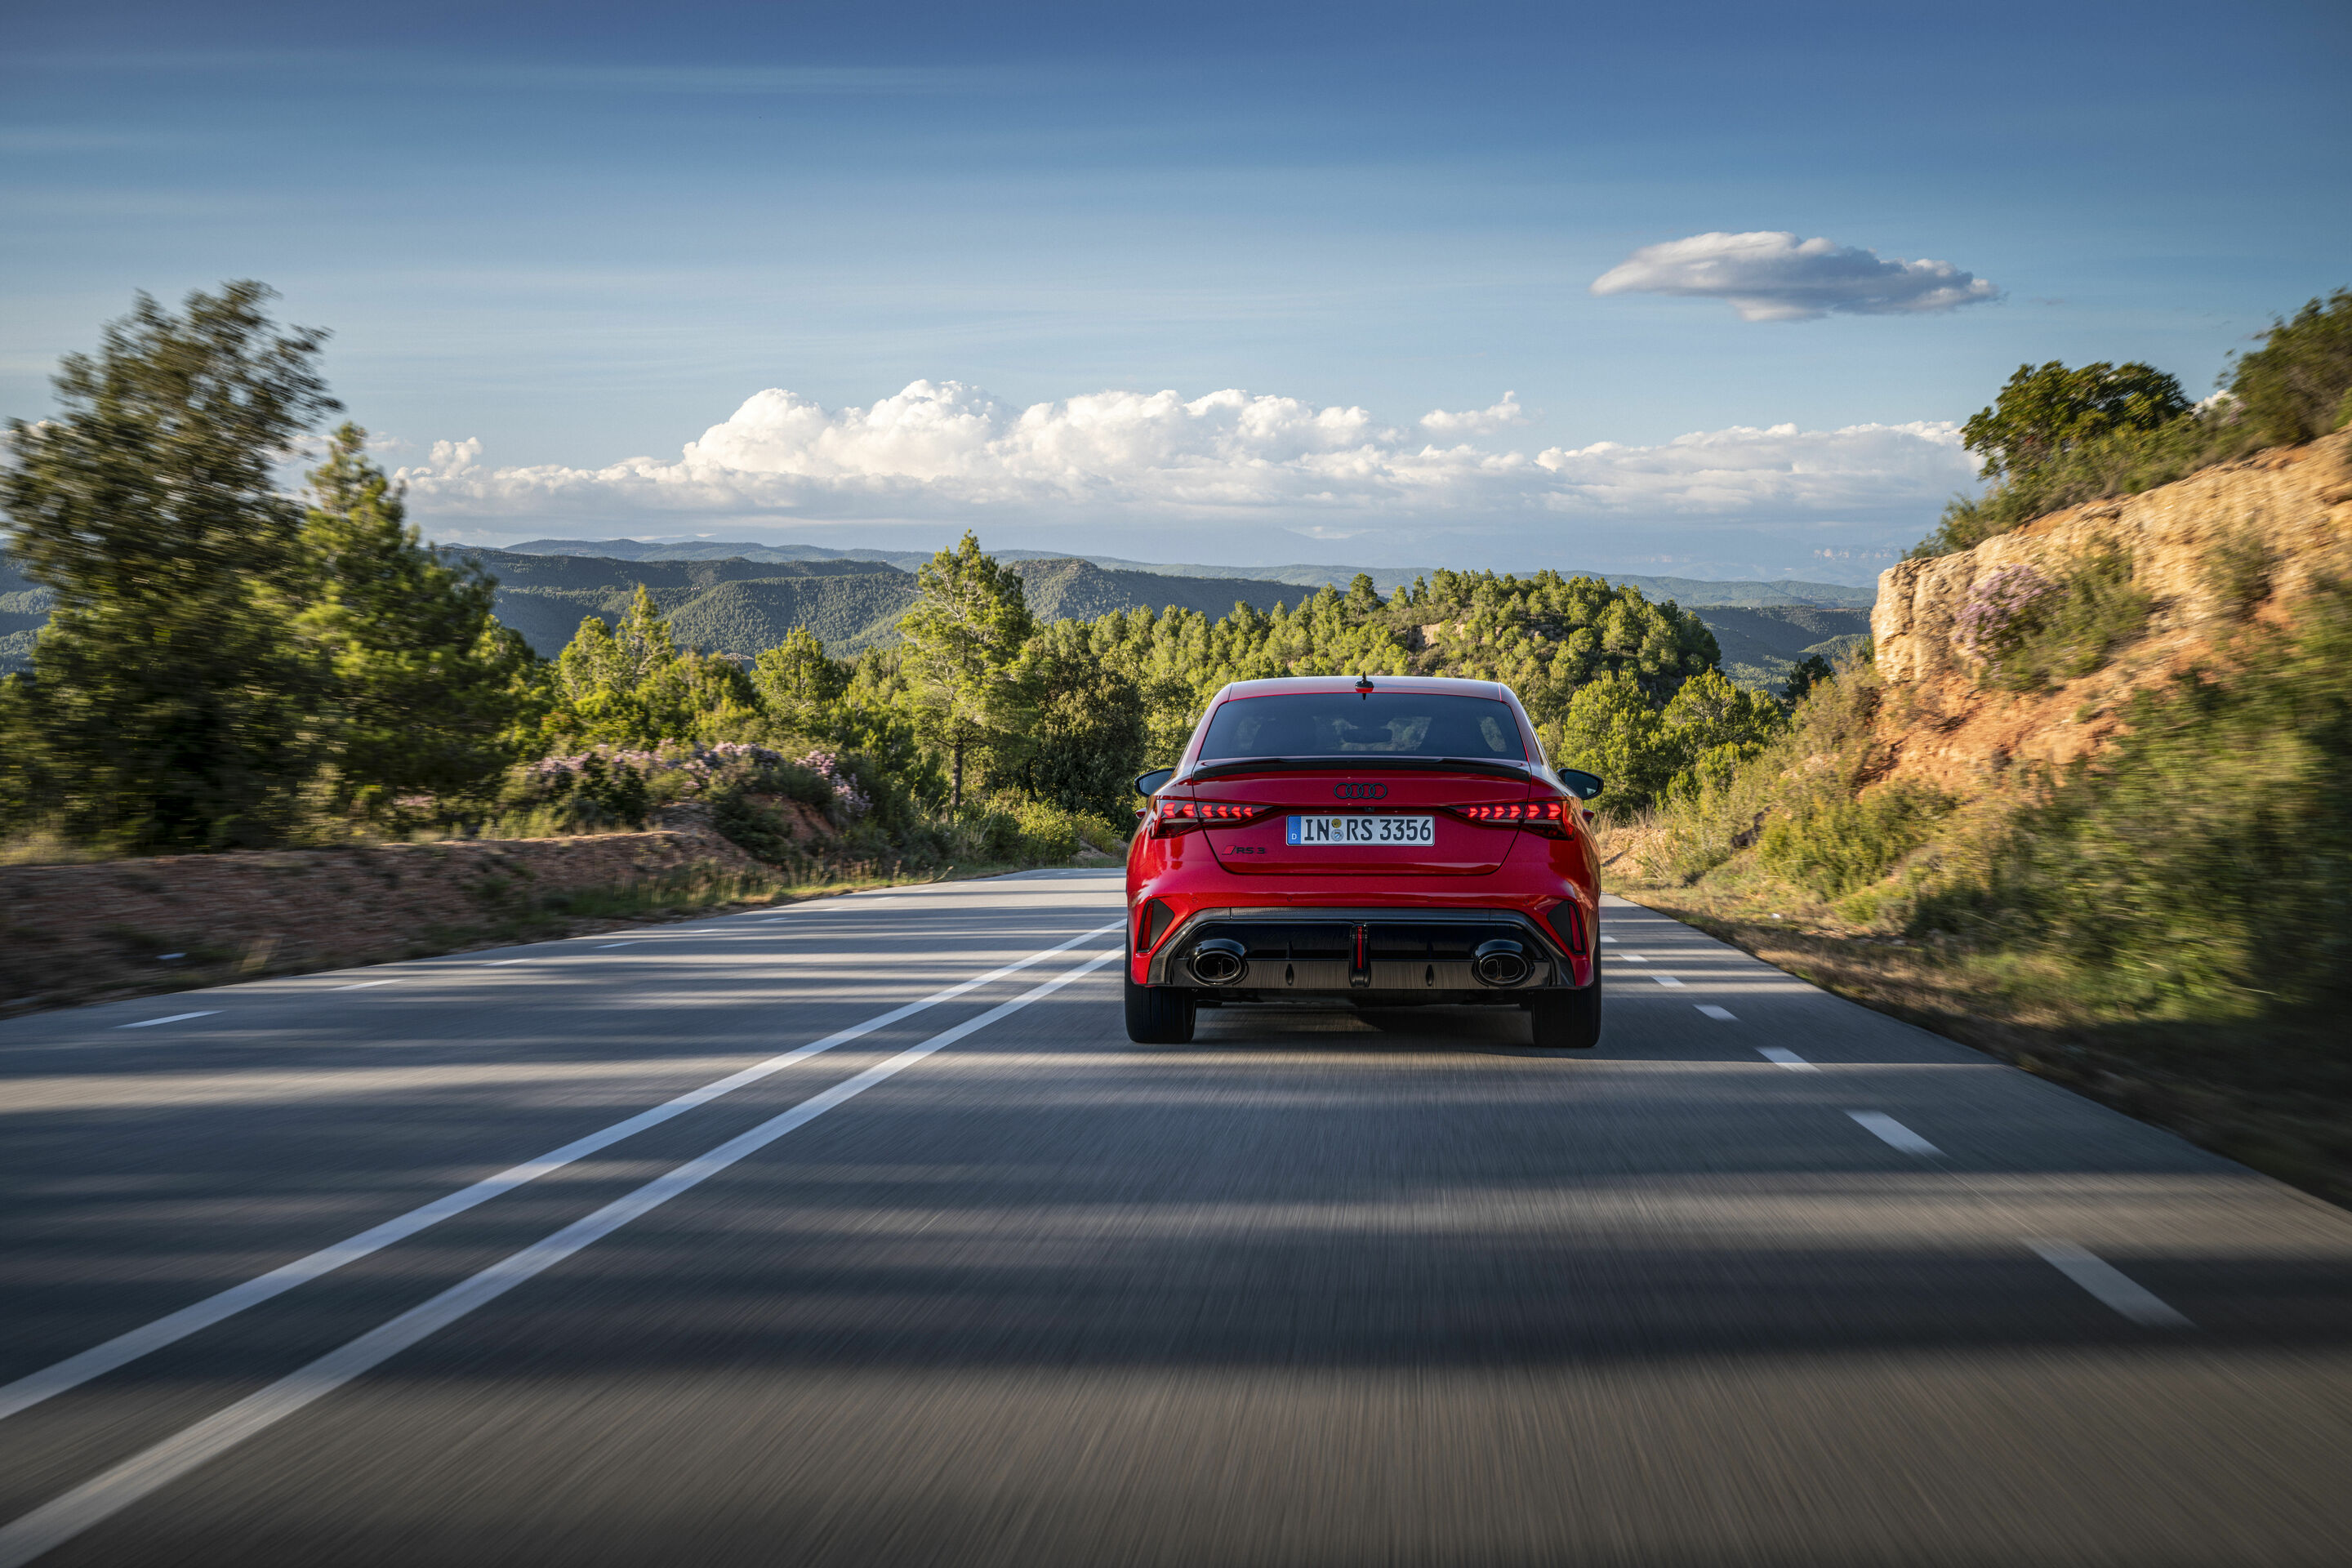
(2057,437)
(173,711)
(2298,385)
(2047,410)
(964,637)
(419,679)
(223,659)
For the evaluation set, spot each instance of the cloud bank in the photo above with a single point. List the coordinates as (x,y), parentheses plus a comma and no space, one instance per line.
(1773,276)
(1155,476)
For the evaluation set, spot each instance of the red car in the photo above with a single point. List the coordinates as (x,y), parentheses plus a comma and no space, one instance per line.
(1387,841)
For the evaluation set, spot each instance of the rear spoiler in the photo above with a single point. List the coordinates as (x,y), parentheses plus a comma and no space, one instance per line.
(1487,765)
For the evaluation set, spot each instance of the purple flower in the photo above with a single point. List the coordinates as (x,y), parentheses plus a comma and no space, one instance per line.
(2000,609)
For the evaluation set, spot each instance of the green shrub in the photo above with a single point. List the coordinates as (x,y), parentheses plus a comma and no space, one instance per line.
(2298,385)
(2119,462)
(1841,846)
(2238,572)
(2203,863)
(2029,631)
(2096,611)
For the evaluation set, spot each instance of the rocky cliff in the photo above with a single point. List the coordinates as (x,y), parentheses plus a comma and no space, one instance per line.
(2291,505)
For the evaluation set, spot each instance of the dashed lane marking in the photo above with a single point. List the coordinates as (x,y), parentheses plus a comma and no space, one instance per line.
(1721,1014)
(1892,1132)
(1786,1059)
(1667,980)
(172,1018)
(362,984)
(2109,1284)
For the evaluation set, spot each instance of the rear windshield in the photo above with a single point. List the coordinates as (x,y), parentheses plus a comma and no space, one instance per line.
(1374,724)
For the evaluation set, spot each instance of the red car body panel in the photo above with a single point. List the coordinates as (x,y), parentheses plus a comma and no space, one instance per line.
(1551,876)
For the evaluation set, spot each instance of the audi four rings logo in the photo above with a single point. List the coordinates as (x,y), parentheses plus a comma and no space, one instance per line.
(1360,791)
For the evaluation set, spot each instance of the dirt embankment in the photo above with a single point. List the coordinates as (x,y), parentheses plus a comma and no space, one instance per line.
(2293,504)
(78,933)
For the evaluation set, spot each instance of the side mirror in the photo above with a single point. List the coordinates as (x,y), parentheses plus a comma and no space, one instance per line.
(1582,785)
(1157,780)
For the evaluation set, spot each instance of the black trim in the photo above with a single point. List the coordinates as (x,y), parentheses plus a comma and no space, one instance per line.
(1163,970)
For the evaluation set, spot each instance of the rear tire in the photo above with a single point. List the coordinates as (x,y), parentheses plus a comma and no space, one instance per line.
(1157,1014)
(1567,1020)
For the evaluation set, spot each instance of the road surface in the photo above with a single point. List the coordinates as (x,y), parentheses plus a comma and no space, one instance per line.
(857,1233)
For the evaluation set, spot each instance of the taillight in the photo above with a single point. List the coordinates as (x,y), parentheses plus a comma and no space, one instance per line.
(1549,817)
(1183,815)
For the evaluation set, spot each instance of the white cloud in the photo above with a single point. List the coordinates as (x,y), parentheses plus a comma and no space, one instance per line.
(1113,473)
(1476,421)
(1773,276)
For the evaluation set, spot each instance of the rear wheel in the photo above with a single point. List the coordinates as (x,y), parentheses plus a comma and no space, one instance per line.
(1157,1014)
(1567,1020)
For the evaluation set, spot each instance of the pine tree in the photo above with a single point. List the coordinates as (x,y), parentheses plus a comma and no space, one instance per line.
(172,709)
(419,678)
(965,635)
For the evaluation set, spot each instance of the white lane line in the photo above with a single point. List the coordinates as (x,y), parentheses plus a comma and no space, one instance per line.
(175,1018)
(1720,1015)
(95,1500)
(98,1360)
(1786,1059)
(494,962)
(2109,1284)
(1610,940)
(1628,958)
(1893,1132)
(1667,980)
(363,986)
(603,946)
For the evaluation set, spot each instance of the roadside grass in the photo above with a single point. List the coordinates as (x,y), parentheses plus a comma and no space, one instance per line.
(2273,1092)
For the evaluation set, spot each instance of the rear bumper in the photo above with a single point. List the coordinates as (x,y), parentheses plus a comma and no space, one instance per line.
(1382,955)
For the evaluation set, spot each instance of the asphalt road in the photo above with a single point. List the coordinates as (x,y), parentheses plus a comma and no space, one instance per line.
(575,1253)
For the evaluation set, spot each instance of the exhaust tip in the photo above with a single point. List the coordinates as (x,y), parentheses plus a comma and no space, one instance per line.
(1219,961)
(1501,962)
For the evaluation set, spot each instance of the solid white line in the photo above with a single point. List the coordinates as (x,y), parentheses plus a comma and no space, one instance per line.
(363,986)
(1667,980)
(175,1018)
(1786,1058)
(1721,1014)
(2109,1284)
(1893,1132)
(98,1360)
(62,1519)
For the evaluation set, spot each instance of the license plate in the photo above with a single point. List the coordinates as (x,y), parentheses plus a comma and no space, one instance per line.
(1375,831)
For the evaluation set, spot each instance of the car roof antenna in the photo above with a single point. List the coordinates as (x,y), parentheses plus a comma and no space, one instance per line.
(1363,685)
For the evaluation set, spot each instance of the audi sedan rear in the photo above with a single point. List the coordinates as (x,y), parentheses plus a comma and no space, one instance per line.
(1382,843)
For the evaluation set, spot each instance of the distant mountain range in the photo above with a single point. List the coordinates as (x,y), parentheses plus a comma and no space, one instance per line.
(1691,593)
(742,605)
(741,598)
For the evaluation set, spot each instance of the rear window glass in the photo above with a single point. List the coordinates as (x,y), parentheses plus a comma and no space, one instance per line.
(1376,723)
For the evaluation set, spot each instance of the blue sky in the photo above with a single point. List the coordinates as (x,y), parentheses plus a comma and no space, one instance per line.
(554,238)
